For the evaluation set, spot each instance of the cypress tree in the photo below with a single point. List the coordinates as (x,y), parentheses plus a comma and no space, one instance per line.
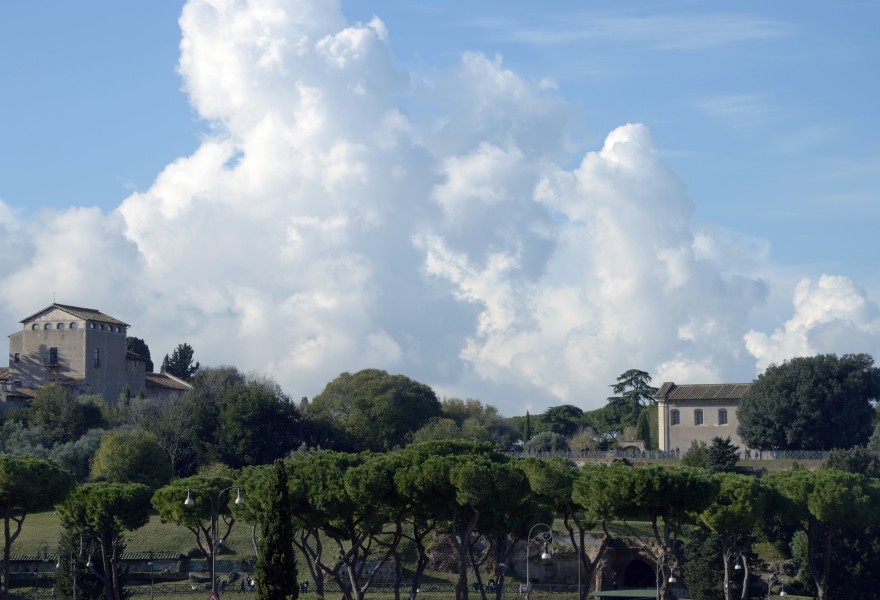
(527,429)
(276,564)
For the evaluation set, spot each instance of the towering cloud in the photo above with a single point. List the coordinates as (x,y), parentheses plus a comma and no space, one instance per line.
(342,216)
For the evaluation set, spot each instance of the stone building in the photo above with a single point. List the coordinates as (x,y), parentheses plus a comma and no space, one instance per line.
(686,413)
(82,349)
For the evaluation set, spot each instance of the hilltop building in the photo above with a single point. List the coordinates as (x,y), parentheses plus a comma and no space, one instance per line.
(82,349)
(687,413)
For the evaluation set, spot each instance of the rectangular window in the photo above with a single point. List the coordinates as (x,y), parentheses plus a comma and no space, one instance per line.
(53,357)
(97,355)
(722,416)
(675,417)
(17,357)
(698,417)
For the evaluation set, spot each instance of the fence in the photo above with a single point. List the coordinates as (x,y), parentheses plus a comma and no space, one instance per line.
(673,455)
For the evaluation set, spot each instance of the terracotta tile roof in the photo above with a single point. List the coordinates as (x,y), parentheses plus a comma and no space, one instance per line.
(702,391)
(87,314)
(163,380)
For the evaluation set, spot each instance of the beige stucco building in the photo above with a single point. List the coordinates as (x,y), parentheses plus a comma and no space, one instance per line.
(81,348)
(686,413)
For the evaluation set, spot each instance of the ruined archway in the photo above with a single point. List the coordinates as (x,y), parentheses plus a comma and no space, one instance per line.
(639,574)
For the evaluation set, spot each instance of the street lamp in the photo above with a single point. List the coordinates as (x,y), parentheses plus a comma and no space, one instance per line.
(542,536)
(73,563)
(666,561)
(152,570)
(215,507)
(775,578)
(43,555)
(739,564)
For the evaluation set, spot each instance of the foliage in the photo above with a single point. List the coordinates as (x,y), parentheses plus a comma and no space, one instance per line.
(276,564)
(27,483)
(563,420)
(132,458)
(74,551)
(17,438)
(854,460)
(256,423)
(101,512)
(583,439)
(76,457)
(181,364)
(170,421)
(470,420)
(547,442)
(647,427)
(823,503)
(210,496)
(633,392)
(62,416)
(814,403)
(704,565)
(720,456)
(375,410)
(139,347)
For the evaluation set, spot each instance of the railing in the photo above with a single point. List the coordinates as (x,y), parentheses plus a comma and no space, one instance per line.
(673,455)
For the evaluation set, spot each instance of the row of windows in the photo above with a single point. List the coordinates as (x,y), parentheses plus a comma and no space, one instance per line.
(675,416)
(53,357)
(101,326)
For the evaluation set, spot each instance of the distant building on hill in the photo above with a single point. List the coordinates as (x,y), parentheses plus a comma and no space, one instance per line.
(698,412)
(82,349)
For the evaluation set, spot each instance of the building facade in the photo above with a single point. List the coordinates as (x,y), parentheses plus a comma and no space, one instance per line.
(688,413)
(84,350)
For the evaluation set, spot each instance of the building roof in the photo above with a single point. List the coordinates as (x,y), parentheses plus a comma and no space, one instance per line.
(669,391)
(166,381)
(87,314)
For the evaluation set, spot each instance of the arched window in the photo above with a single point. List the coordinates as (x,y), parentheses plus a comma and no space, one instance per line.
(59,326)
(675,417)
(47,326)
(722,416)
(698,417)
(73,325)
(35,327)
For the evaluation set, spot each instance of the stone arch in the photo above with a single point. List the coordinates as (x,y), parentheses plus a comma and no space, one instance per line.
(639,574)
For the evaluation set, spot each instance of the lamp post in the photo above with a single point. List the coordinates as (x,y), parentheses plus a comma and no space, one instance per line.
(42,555)
(152,570)
(739,564)
(775,578)
(666,561)
(73,563)
(215,508)
(541,536)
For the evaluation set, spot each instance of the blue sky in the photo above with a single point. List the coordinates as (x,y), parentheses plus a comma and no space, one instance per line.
(764,113)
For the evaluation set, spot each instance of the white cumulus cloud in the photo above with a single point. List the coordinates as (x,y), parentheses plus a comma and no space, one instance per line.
(343,214)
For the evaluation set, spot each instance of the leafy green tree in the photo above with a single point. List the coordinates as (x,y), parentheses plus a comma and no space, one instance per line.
(823,503)
(552,481)
(76,457)
(134,457)
(733,516)
(102,512)
(375,410)
(171,422)
(74,551)
(703,566)
(181,364)
(647,427)
(633,391)
(17,438)
(139,347)
(811,403)
(719,456)
(62,416)
(854,460)
(256,423)
(201,446)
(666,496)
(547,442)
(344,500)
(469,420)
(27,483)
(205,492)
(276,563)
(564,420)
